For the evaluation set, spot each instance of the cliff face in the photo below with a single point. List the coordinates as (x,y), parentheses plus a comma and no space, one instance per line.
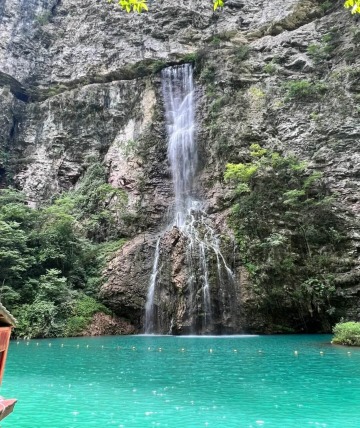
(79,81)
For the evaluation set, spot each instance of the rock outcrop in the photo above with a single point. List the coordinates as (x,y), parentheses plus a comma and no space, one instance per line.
(104,325)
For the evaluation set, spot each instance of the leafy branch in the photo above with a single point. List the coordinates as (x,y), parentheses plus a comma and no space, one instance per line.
(354,5)
(139,6)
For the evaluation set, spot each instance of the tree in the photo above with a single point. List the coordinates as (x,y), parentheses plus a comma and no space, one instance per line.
(139,6)
(133,5)
(354,5)
(290,236)
(54,255)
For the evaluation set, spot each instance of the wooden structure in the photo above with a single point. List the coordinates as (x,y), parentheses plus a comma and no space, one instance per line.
(7,323)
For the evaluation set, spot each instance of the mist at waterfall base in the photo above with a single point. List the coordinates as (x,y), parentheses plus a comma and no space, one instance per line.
(168,381)
(189,217)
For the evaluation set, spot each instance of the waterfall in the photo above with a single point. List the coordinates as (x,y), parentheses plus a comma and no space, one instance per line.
(189,216)
(149,308)
(178,91)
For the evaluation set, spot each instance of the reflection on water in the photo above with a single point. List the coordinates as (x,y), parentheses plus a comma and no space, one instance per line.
(165,381)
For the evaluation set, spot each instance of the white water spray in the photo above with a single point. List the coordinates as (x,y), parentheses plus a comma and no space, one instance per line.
(149,307)
(178,91)
(188,214)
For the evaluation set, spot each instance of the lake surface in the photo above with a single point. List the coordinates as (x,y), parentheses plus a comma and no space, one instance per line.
(183,382)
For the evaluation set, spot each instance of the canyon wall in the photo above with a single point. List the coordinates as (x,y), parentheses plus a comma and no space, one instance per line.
(79,81)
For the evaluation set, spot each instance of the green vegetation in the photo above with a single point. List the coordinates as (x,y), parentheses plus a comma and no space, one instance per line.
(157,66)
(208,74)
(218,3)
(82,313)
(323,51)
(52,258)
(256,93)
(133,5)
(241,53)
(354,5)
(190,57)
(215,41)
(289,236)
(326,5)
(198,59)
(43,19)
(141,5)
(218,104)
(270,68)
(347,333)
(304,90)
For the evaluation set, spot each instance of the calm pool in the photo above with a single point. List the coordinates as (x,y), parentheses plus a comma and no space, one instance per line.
(180,382)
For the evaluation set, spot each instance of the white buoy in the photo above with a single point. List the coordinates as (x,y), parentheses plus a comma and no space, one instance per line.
(235,350)
(62,345)
(296,353)
(49,344)
(321,353)
(37,343)
(210,351)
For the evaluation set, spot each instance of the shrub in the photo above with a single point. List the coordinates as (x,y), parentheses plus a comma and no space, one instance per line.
(208,75)
(215,41)
(347,333)
(157,66)
(326,6)
(323,51)
(82,314)
(284,220)
(43,19)
(270,68)
(241,53)
(316,52)
(53,255)
(240,171)
(190,57)
(304,90)
(256,93)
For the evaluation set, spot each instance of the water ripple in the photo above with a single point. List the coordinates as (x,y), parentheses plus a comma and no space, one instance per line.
(149,381)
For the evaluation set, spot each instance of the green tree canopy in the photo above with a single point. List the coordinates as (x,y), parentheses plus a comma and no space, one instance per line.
(53,256)
(290,238)
(354,5)
(139,6)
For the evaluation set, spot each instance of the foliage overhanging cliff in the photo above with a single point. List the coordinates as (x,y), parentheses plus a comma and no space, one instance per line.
(82,136)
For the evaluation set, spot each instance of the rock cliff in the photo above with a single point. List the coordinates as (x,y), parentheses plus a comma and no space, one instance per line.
(79,81)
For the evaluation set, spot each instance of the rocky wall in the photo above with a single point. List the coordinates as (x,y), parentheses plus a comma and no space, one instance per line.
(79,83)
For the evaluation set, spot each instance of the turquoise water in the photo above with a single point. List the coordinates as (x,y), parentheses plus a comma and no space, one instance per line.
(140,381)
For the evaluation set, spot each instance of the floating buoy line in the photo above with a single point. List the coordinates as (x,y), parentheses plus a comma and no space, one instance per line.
(132,348)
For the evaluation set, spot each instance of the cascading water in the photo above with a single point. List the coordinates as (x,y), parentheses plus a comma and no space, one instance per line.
(178,90)
(188,214)
(149,308)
